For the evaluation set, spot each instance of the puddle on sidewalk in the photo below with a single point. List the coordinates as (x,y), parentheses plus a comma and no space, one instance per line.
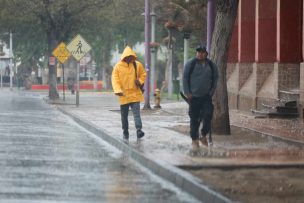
(246,144)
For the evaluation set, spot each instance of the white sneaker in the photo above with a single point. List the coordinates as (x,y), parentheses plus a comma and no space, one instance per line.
(203,140)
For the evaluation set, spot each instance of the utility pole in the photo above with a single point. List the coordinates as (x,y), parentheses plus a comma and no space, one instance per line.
(11,60)
(147,54)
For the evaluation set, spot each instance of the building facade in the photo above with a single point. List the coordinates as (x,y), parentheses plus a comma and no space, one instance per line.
(266,54)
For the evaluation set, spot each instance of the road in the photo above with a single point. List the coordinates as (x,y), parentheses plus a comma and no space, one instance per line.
(46,157)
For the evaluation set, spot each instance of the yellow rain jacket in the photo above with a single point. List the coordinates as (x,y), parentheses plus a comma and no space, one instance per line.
(123,79)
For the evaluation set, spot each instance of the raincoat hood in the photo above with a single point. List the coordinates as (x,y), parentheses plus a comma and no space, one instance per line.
(127,52)
(124,76)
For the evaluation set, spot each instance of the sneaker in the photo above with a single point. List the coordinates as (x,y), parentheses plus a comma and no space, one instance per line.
(125,136)
(140,134)
(210,143)
(203,140)
(195,145)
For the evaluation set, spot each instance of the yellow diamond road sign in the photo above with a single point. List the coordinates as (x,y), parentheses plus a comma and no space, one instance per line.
(61,53)
(78,47)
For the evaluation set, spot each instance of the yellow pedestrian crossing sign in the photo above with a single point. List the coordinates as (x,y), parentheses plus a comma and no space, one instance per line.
(61,53)
(78,47)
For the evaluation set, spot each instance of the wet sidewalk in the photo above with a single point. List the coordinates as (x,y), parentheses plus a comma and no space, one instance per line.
(255,142)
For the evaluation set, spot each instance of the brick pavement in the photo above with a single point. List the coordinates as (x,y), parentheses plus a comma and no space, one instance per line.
(292,128)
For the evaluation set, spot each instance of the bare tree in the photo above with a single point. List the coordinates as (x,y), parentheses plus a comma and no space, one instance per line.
(225,17)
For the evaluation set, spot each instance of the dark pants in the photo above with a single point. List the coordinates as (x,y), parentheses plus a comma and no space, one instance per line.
(200,110)
(124,110)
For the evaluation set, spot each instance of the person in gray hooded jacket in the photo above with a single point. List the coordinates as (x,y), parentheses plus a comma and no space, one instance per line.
(199,82)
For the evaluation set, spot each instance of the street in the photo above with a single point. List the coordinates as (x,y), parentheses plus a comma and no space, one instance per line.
(47,157)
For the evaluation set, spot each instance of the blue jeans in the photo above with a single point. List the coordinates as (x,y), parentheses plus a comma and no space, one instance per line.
(200,110)
(124,111)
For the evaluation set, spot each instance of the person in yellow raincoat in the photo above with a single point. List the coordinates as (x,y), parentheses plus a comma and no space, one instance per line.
(127,78)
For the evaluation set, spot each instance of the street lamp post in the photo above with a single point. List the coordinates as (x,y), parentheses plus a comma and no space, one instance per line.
(186,55)
(153,52)
(170,61)
(186,46)
(147,54)
(1,54)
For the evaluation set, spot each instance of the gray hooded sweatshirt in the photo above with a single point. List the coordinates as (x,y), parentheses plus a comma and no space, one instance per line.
(202,80)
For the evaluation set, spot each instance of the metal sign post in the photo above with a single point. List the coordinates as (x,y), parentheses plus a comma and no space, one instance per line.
(78,47)
(62,54)
(63,89)
(77,84)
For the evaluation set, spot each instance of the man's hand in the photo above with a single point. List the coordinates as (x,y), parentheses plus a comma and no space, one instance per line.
(137,83)
(119,94)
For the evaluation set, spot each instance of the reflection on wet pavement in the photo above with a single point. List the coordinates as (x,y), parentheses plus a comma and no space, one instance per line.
(47,157)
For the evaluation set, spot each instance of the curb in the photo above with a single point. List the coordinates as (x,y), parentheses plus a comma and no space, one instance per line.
(178,177)
(241,166)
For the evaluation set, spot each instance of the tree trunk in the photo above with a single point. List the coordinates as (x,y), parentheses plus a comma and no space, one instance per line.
(52,43)
(224,23)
